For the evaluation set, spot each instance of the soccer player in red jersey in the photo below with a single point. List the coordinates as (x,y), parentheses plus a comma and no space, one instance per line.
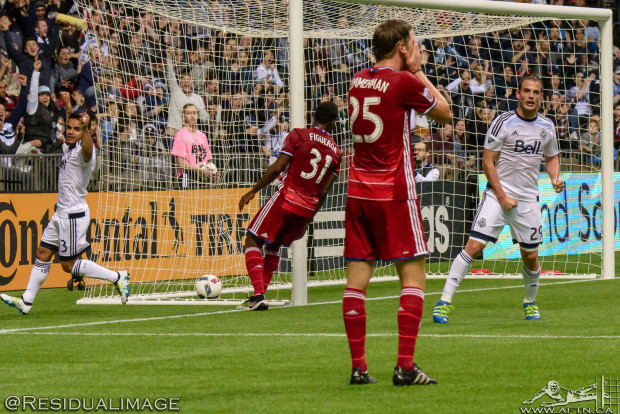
(309,164)
(383,218)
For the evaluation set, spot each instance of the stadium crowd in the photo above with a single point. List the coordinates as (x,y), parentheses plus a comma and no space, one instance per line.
(143,79)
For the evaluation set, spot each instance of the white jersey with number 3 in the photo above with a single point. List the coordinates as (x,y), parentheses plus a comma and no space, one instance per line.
(73,179)
(521,143)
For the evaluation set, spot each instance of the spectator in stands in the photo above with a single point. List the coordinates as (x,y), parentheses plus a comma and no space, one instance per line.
(462,96)
(153,159)
(273,134)
(181,94)
(89,75)
(8,125)
(200,66)
(424,170)
(64,74)
(108,123)
(42,113)
(191,149)
(616,85)
(156,106)
(590,144)
(617,125)
(267,72)
(442,147)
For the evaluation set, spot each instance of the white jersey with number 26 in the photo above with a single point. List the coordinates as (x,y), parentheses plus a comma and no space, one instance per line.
(521,143)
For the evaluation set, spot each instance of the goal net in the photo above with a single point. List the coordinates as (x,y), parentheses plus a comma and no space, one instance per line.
(169,223)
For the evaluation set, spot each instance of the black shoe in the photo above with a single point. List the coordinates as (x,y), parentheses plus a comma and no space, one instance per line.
(255,303)
(359,377)
(413,377)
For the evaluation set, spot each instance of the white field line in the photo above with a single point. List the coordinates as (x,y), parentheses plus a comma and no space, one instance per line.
(317,334)
(158,318)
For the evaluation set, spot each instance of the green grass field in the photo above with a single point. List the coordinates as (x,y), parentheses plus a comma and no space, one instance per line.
(488,359)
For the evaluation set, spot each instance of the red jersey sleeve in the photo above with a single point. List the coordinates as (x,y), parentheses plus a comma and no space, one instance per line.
(414,94)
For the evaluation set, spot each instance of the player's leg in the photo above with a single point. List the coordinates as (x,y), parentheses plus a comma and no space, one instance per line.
(526,229)
(413,280)
(38,274)
(531,277)
(81,268)
(354,315)
(487,226)
(255,266)
(272,261)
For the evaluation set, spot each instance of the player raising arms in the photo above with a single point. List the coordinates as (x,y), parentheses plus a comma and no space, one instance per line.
(309,164)
(383,218)
(66,232)
(515,144)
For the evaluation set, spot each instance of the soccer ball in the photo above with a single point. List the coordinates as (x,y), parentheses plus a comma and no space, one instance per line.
(208,286)
(209,166)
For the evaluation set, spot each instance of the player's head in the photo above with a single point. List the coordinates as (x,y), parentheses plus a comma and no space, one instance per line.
(74,129)
(387,36)
(421,152)
(325,115)
(529,94)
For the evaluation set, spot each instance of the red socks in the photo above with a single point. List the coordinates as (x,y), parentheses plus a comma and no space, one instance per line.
(409,317)
(272,260)
(254,263)
(354,314)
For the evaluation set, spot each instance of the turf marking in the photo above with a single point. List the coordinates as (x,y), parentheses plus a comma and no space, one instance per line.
(186,315)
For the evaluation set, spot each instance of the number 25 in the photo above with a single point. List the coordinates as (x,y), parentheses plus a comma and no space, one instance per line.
(367,115)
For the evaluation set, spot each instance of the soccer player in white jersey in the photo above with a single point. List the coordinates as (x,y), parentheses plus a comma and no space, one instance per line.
(515,144)
(66,232)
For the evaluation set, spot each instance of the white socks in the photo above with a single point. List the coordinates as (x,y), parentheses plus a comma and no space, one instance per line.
(38,274)
(458,270)
(530,280)
(86,268)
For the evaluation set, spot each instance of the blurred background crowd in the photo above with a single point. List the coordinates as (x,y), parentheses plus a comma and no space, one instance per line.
(151,83)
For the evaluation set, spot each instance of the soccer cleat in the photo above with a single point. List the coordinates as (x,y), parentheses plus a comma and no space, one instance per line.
(359,377)
(16,303)
(413,377)
(441,311)
(531,311)
(122,286)
(255,303)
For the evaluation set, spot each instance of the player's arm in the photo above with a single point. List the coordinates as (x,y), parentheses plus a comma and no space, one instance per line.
(326,188)
(441,111)
(87,141)
(488,166)
(553,169)
(268,176)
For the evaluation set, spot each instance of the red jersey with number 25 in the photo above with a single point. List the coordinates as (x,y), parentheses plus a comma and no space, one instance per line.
(315,157)
(380,100)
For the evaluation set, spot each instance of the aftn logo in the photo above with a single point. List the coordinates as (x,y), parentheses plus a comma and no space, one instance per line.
(527,149)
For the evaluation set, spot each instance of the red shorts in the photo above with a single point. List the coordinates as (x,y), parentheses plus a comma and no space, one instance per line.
(386,230)
(272,223)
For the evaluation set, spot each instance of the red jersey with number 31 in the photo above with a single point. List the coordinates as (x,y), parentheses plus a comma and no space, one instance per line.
(380,100)
(315,157)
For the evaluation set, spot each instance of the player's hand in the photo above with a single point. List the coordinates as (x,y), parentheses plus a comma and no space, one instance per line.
(247,197)
(85,119)
(414,59)
(508,203)
(558,185)
(37,65)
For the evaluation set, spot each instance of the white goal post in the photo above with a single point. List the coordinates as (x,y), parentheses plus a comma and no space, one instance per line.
(169,230)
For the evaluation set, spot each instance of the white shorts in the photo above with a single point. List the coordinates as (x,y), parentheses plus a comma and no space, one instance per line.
(524,220)
(67,236)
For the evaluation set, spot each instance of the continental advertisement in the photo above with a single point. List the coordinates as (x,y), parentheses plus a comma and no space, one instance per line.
(162,235)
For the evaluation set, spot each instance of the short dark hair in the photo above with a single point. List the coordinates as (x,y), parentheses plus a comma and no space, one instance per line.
(531,77)
(427,146)
(387,35)
(74,115)
(326,113)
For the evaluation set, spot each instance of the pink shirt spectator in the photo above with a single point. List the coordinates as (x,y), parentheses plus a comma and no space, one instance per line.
(192,147)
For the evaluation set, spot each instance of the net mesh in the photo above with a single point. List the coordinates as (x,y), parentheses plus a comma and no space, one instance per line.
(169,222)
